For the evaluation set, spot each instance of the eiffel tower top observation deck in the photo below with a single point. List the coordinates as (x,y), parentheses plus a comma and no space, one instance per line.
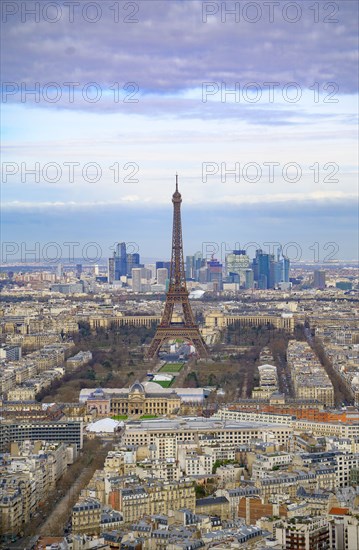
(177,294)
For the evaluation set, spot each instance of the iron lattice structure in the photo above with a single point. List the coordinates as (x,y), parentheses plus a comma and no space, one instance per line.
(177,294)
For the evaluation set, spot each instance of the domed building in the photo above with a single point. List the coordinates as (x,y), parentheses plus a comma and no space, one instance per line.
(135,401)
(137,387)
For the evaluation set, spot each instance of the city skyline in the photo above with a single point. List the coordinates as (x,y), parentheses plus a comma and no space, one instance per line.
(53,251)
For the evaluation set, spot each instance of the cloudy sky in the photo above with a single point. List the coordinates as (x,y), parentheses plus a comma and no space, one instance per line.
(254,107)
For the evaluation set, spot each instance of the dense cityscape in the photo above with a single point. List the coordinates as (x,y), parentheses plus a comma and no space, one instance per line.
(179,277)
(237,425)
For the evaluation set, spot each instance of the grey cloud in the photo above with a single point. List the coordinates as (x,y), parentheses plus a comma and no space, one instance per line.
(171,49)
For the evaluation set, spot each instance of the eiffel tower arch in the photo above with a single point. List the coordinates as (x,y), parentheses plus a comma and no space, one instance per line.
(177,295)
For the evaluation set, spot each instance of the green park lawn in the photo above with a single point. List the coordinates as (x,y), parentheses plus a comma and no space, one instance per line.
(172,367)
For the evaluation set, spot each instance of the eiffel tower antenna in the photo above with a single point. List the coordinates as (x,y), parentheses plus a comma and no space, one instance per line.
(177,294)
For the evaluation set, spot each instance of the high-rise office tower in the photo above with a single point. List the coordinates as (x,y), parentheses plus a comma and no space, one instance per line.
(162,275)
(59,271)
(285,269)
(136,279)
(261,269)
(141,279)
(117,265)
(275,273)
(237,262)
(285,266)
(153,270)
(215,273)
(319,279)
(202,276)
(120,261)
(111,270)
(190,267)
(199,262)
(249,279)
(78,271)
(133,260)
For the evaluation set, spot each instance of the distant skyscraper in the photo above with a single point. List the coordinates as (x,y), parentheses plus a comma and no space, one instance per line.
(199,262)
(286,269)
(78,270)
(237,262)
(203,274)
(133,260)
(120,261)
(319,279)
(162,275)
(136,279)
(141,277)
(249,280)
(190,267)
(261,269)
(153,270)
(275,273)
(111,270)
(262,282)
(215,273)
(59,271)
(117,265)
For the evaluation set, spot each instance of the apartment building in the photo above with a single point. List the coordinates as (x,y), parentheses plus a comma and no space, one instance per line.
(205,429)
(86,517)
(27,476)
(64,431)
(306,533)
(155,497)
(309,378)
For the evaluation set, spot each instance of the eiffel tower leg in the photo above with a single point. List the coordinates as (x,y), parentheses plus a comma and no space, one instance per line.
(200,347)
(154,347)
(187,312)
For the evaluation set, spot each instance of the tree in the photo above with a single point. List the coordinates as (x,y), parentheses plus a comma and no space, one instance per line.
(200,491)
(91,374)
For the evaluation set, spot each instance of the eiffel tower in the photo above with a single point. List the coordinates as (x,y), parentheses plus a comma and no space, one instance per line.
(177,294)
